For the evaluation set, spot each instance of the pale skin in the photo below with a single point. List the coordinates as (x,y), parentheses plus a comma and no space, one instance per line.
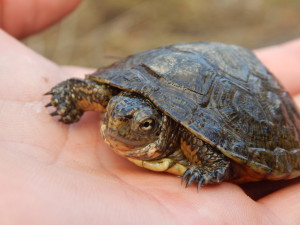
(51,173)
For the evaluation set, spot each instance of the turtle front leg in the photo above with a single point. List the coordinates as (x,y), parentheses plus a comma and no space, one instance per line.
(208,164)
(73,97)
(210,173)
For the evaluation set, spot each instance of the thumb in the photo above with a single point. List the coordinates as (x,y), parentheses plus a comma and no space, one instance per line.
(21,18)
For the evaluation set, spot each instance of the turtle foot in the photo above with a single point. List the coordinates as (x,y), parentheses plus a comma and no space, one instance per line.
(63,102)
(203,175)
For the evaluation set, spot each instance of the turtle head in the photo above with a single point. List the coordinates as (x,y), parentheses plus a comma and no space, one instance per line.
(134,127)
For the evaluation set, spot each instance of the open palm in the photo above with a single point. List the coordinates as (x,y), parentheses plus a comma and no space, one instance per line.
(53,173)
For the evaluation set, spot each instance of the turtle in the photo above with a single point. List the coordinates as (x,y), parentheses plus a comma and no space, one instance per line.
(208,112)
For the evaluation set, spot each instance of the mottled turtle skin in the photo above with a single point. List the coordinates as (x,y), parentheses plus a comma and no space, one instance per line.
(208,112)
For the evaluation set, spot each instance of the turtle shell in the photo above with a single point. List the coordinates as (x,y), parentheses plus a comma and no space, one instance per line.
(221,93)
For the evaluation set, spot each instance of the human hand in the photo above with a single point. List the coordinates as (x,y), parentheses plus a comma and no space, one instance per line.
(52,173)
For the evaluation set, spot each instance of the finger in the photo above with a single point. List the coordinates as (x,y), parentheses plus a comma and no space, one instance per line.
(20,18)
(283,60)
(297,100)
(285,203)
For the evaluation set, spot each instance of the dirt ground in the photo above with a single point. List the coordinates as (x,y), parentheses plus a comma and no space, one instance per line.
(101,31)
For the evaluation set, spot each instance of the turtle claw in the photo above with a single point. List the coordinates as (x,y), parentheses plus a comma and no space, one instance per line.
(49,93)
(199,184)
(203,175)
(48,105)
(191,179)
(65,121)
(185,175)
(191,175)
(55,113)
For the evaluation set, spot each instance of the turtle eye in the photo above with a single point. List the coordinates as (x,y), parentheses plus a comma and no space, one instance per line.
(147,125)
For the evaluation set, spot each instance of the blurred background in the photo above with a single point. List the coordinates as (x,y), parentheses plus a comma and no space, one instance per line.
(100,31)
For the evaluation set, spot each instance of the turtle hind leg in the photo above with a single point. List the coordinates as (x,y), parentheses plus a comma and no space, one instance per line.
(73,97)
(276,164)
(208,164)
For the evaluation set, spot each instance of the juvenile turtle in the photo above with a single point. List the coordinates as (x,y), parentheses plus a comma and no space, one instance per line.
(208,112)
